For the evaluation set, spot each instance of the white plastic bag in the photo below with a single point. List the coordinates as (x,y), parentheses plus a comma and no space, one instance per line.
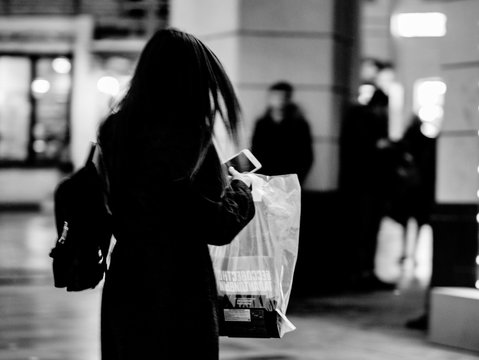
(254,273)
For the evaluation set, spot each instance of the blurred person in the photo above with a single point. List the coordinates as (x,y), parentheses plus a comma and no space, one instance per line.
(170,198)
(369,70)
(385,77)
(363,183)
(412,195)
(374,74)
(282,137)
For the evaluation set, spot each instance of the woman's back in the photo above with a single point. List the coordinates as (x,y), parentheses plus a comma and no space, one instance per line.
(169,200)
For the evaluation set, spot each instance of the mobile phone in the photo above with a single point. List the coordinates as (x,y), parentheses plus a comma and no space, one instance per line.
(244,162)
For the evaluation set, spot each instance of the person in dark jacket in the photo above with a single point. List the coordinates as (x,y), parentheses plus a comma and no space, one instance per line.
(282,137)
(363,182)
(413,182)
(415,195)
(170,198)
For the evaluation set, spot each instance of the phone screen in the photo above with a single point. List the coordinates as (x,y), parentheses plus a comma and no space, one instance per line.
(241,163)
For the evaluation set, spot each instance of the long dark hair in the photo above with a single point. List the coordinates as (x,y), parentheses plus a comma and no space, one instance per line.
(178,89)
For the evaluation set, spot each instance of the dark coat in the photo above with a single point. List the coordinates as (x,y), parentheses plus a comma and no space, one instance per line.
(159,297)
(413,179)
(284,147)
(362,162)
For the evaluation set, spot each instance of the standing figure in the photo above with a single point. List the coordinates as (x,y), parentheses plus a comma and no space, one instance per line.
(363,181)
(413,183)
(282,137)
(170,198)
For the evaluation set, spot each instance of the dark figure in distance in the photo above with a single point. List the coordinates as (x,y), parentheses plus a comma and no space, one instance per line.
(413,185)
(413,194)
(363,184)
(282,137)
(170,198)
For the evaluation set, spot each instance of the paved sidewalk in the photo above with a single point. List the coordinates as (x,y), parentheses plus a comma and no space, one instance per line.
(39,322)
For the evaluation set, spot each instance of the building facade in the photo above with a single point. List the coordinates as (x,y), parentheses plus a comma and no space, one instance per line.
(62,66)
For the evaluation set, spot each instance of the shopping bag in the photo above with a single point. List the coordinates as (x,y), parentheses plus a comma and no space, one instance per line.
(254,274)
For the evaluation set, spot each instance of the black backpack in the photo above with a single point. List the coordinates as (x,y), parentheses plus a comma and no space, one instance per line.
(84,226)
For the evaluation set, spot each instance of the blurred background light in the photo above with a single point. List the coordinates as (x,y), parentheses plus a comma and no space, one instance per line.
(429,94)
(430,113)
(430,130)
(40,86)
(429,90)
(108,85)
(431,24)
(61,65)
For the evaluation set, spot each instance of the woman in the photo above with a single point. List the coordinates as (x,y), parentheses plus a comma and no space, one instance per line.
(170,198)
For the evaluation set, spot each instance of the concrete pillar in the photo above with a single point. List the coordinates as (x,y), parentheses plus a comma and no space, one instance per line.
(454,222)
(310,43)
(376,41)
(458,153)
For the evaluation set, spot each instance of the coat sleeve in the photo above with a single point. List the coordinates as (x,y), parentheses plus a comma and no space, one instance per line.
(259,140)
(222,220)
(305,150)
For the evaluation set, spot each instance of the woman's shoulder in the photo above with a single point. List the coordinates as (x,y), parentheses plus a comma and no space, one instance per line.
(106,128)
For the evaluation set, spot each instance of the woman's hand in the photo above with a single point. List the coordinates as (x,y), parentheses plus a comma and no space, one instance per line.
(235,175)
